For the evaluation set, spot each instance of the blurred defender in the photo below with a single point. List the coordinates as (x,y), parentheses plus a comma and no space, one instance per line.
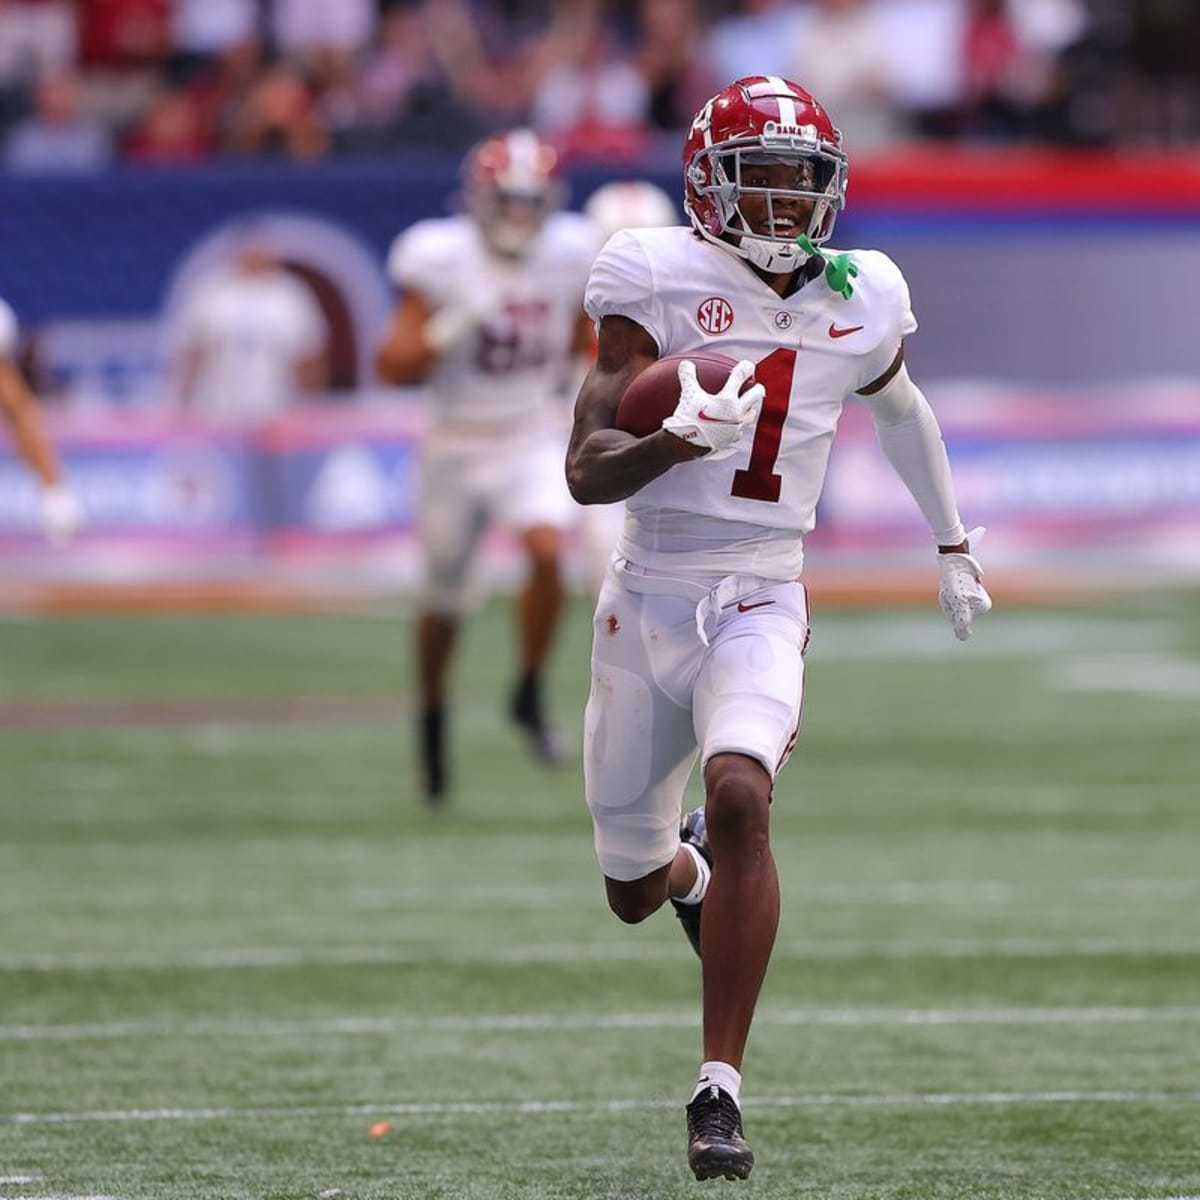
(701,625)
(60,512)
(491,317)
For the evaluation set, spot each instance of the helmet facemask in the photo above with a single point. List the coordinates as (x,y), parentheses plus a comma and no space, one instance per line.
(720,172)
(512,218)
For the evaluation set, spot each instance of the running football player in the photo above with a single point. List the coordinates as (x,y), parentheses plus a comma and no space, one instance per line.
(701,624)
(490,318)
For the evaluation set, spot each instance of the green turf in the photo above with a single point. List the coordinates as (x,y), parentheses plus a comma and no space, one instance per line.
(232,939)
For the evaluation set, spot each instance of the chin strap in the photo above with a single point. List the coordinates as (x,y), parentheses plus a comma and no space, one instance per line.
(839,269)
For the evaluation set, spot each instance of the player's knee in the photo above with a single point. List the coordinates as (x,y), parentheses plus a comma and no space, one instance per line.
(447,593)
(633,902)
(544,546)
(737,801)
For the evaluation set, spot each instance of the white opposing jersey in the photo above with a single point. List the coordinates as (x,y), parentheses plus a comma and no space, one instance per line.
(8,331)
(250,334)
(509,369)
(812,349)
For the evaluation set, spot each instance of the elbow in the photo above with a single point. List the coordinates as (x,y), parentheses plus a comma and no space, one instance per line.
(582,484)
(577,485)
(395,368)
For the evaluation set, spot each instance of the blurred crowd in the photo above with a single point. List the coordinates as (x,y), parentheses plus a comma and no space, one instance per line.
(85,83)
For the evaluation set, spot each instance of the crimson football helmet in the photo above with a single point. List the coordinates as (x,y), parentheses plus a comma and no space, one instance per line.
(510,185)
(763,119)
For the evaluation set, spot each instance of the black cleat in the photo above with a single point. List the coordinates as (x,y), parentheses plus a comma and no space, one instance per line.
(525,708)
(693,831)
(432,751)
(716,1146)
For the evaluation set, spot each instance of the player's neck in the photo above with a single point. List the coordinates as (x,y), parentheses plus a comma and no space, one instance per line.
(786,284)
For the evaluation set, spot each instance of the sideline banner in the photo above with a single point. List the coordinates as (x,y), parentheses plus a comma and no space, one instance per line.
(1060,478)
(1083,474)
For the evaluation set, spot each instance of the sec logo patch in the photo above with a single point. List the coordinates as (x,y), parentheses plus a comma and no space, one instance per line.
(715,315)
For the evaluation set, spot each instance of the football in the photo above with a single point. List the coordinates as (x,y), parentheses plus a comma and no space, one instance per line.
(653,394)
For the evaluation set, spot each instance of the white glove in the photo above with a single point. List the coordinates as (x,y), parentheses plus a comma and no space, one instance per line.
(61,514)
(719,421)
(962,594)
(453,324)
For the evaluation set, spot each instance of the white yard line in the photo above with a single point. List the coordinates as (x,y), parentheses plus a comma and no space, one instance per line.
(542,1022)
(520,954)
(909,892)
(590,1107)
(1144,674)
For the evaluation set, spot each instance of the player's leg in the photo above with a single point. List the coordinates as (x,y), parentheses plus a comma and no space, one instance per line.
(450,523)
(640,747)
(529,496)
(741,908)
(539,608)
(747,707)
(436,634)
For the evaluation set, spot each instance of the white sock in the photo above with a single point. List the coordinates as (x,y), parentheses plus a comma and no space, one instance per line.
(703,875)
(727,1078)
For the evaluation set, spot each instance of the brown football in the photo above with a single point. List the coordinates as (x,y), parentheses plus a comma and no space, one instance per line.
(654,393)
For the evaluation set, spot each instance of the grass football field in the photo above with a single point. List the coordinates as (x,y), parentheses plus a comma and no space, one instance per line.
(239,958)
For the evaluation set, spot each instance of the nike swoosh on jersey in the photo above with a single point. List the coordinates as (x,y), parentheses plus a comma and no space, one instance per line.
(756,604)
(703,416)
(835,332)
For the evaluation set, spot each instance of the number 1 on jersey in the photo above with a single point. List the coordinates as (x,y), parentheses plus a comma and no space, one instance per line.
(757,480)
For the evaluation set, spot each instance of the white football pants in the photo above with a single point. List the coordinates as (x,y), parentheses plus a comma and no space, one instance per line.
(679,669)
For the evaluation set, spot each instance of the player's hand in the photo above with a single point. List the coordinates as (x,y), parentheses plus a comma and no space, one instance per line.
(456,322)
(61,514)
(716,421)
(962,594)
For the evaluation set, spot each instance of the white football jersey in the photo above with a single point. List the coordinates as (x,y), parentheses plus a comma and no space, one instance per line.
(8,331)
(812,350)
(511,367)
(251,332)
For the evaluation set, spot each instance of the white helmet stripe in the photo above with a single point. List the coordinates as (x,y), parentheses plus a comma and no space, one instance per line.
(783,94)
(523,150)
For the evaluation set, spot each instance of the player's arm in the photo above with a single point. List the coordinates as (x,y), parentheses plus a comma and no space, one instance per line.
(61,514)
(408,353)
(911,438)
(605,464)
(21,416)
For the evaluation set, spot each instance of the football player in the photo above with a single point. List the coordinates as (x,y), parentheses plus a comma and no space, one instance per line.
(60,512)
(490,318)
(702,622)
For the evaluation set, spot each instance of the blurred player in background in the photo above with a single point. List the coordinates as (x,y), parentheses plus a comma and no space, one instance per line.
(490,317)
(59,511)
(701,626)
(251,339)
(624,204)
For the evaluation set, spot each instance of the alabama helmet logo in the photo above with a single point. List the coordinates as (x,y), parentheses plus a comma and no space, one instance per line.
(715,315)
